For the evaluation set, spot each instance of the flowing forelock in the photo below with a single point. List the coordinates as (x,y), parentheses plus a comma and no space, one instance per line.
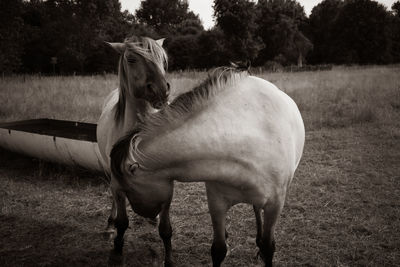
(150,50)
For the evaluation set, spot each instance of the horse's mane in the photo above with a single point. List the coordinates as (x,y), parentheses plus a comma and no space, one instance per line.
(147,48)
(187,104)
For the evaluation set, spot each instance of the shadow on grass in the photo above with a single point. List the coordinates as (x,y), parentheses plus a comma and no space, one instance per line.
(32,242)
(20,166)
(54,191)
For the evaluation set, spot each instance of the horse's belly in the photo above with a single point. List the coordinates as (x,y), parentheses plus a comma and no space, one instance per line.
(234,195)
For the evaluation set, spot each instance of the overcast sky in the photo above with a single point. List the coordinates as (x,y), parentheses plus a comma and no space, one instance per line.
(204,8)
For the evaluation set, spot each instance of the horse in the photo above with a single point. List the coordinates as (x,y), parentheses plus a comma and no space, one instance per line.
(142,89)
(238,133)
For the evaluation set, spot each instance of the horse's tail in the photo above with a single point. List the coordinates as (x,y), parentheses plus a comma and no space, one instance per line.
(118,156)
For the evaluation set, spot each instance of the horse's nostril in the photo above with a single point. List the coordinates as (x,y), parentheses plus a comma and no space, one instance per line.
(151,94)
(158,105)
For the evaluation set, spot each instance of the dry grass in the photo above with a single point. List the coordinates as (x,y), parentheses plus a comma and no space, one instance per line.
(69,98)
(342,210)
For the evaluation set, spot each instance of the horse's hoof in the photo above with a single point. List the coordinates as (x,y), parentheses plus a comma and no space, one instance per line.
(116,259)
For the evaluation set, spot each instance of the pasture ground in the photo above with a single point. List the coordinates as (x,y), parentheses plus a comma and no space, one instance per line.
(343,208)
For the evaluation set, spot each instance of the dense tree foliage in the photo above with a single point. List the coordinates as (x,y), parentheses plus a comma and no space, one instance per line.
(11,35)
(168,16)
(211,49)
(237,21)
(322,22)
(352,32)
(279,26)
(361,35)
(67,36)
(395,32)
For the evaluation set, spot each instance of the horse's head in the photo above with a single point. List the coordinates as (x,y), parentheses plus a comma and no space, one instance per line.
(142,69)
(147,192)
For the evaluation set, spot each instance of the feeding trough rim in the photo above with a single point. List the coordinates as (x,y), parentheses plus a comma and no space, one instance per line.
(57,128)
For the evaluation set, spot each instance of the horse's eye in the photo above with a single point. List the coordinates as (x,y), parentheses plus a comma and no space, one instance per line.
(131,60)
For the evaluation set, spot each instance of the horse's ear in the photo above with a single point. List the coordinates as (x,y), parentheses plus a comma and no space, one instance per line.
(132,167)
(160,41)
(119,47)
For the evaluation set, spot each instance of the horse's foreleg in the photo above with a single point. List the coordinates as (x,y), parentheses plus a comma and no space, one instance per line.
(111,219)
(257,212)
(218,209)
(165,231)
(267,245)
(121,221)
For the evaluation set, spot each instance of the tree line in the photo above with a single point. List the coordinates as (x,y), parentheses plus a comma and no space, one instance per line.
(67,36)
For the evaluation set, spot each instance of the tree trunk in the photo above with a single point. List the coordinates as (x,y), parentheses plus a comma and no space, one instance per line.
(300,60)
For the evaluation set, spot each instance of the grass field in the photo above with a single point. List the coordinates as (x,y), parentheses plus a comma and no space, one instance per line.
(343,208)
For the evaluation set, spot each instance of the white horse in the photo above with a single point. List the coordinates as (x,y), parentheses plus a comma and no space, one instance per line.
(239,134)
(142,89)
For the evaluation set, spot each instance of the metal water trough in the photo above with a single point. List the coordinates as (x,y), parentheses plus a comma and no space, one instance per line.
(66,142)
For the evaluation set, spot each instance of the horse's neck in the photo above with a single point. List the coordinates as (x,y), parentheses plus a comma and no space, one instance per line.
(134,111)
(192,141)
(174,158)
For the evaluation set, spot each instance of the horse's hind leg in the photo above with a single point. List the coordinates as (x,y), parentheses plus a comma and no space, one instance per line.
(165,231)
(218,209)
(108,233)
(267,245)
